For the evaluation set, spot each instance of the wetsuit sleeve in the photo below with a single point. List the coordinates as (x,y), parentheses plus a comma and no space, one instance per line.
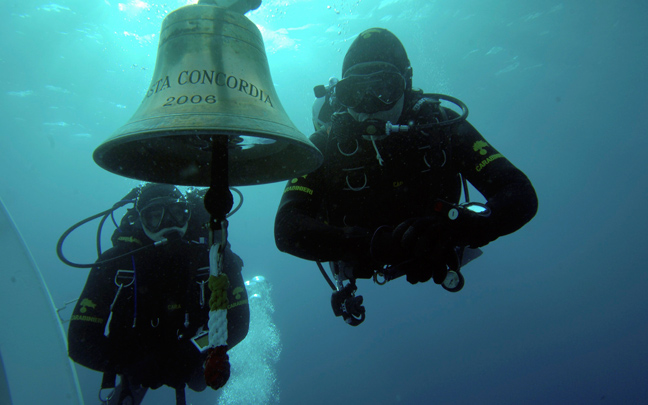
(508,192)
(87,344)
(299,228)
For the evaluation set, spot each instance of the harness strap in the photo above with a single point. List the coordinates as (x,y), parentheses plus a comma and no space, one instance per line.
(440,116)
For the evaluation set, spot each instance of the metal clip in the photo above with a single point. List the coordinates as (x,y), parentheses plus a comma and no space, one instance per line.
(120,275)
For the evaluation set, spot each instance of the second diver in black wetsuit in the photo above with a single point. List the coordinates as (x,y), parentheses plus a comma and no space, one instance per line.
(389,189)
(138,313)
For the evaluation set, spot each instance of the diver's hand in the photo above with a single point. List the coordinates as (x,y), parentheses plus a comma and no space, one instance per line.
(419,247)
(428,267)
(385,248)
(239,6)
(419,236)
(411,239)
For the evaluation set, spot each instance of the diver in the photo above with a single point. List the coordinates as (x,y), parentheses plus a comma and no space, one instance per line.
(386,200)
(143,313)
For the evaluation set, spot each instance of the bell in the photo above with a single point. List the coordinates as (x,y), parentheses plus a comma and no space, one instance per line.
(211,80)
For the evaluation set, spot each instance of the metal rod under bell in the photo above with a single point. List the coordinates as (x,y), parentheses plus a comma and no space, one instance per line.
(219,199)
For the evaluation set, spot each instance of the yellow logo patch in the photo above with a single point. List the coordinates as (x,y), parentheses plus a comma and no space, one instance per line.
(486,161)
(84,318)
(129,239)
(299,188)
(480,146)
(237,304)
(237,292)
(85,304)
(296,179)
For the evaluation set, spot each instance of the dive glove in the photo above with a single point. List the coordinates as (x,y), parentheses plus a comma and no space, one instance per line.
(412,239)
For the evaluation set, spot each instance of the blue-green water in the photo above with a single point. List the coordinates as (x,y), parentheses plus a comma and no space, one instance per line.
(555,313)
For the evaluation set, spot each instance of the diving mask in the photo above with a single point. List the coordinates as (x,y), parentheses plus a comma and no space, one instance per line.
(370,87)
(165,213)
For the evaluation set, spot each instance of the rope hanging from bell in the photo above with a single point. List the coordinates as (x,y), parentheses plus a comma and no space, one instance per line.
(218,202)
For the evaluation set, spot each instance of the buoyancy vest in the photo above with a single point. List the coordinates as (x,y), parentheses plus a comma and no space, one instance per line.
(415,167)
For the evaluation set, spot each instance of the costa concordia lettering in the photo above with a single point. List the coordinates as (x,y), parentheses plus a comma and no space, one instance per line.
(211,77)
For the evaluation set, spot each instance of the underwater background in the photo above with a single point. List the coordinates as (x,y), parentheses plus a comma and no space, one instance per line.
(554,313)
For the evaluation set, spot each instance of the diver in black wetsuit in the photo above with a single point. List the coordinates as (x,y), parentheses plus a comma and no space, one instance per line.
(137,314)
(393,166)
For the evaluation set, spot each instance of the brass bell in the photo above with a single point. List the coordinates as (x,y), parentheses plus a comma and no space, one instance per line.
(211,79)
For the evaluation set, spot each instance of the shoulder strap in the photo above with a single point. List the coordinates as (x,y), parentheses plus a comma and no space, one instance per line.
(439,121)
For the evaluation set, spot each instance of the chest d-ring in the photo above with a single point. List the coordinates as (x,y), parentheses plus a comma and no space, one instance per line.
(357,147)
(445,159)
(357,188)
